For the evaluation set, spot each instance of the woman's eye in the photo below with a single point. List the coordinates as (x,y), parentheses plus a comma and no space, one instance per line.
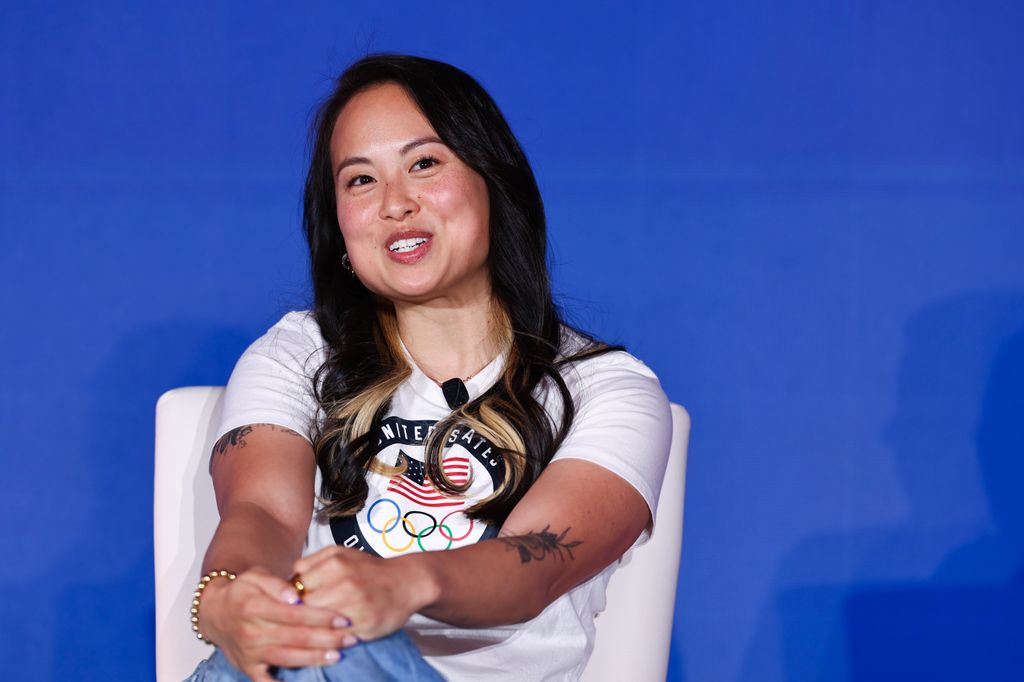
(425,163)
(359,180)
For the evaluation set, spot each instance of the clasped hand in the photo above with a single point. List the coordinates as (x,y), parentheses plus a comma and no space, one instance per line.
(258,621)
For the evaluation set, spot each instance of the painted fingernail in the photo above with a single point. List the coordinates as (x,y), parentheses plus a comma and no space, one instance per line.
(290,596)
(341,622)
(332,656)
(349,640)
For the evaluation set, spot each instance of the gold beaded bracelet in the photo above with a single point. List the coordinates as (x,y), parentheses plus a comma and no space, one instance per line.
(203,582)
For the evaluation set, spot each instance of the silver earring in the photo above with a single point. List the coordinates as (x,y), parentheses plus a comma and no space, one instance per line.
(347,264)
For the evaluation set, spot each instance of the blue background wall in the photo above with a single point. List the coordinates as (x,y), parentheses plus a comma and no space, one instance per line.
(806,217)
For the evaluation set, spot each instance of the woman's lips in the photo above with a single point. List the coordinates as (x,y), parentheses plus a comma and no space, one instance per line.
(408,246)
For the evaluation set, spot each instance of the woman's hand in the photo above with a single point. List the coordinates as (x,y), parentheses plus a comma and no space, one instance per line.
(377,595)
(257,622)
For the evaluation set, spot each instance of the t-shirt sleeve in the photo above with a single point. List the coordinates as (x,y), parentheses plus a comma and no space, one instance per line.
(623,423)
(272,383)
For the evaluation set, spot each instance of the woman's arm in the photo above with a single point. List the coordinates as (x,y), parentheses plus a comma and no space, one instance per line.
(575,520)
(584,511)
(263,476)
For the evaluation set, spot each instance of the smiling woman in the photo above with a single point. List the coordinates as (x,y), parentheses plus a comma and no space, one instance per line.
(413,215)
(429,473)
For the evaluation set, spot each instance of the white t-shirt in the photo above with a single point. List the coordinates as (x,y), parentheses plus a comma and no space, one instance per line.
(622,423)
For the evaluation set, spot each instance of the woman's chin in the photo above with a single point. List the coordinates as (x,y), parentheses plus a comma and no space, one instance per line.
(423,293)
(411,292)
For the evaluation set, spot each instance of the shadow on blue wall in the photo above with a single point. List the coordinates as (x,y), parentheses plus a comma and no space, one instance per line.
(950,627)
(938,596)
(91,642)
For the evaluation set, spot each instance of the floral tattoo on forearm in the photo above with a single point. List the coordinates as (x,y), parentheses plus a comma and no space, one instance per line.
(539,545)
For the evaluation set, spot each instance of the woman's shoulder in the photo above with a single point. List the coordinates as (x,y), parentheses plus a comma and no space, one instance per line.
(298,326)
(581,353)
(595,377)
(294,339)
(298,322)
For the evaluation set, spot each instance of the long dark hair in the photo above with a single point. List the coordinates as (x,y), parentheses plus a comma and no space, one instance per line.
(364,363)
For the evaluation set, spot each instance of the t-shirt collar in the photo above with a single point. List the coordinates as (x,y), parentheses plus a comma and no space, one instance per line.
(476,385)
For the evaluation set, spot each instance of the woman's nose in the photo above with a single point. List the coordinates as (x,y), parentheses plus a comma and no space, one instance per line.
(397,203)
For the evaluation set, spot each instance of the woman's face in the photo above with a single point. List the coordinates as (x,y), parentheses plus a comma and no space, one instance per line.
(414,216)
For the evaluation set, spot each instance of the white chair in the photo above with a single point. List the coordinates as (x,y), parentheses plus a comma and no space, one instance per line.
(633,633)
(184,519)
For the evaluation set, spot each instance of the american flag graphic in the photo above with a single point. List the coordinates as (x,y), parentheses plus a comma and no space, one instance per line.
(414,485)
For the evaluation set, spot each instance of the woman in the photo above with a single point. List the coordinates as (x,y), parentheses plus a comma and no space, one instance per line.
(431,400)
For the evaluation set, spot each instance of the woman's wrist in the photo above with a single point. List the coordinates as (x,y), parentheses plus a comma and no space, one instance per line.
(423,576)
(208,587)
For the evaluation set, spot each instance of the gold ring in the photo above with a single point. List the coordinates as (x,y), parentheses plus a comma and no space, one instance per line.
(296,581)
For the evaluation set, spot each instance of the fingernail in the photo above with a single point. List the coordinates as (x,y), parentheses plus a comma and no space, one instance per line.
(333,656)
(290,596)
(341,622)
(349,640)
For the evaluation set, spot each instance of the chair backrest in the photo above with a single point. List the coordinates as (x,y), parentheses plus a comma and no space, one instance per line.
(184,519)
(633,633)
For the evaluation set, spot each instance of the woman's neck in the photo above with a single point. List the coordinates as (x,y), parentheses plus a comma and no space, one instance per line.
(448,342)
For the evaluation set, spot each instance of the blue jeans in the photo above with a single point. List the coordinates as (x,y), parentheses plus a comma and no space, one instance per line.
(391,659)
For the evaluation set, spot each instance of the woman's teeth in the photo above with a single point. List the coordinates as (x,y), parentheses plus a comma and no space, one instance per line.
(405,245)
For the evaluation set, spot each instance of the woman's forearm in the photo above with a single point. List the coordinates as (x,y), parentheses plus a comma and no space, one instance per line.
(483,585)
(249,536)
(520,575)
(576,520)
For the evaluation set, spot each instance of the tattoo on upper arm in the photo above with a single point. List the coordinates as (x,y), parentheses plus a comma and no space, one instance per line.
(235,438)
(539,545)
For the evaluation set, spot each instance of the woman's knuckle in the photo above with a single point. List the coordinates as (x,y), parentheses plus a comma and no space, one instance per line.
(294,636)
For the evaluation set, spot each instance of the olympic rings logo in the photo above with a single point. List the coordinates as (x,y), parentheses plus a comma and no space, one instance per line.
(415,536)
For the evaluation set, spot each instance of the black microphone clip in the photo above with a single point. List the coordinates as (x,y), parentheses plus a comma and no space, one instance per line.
(455,393)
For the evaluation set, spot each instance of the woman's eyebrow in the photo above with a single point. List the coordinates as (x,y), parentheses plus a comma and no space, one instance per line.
(420,141)
(406,148)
